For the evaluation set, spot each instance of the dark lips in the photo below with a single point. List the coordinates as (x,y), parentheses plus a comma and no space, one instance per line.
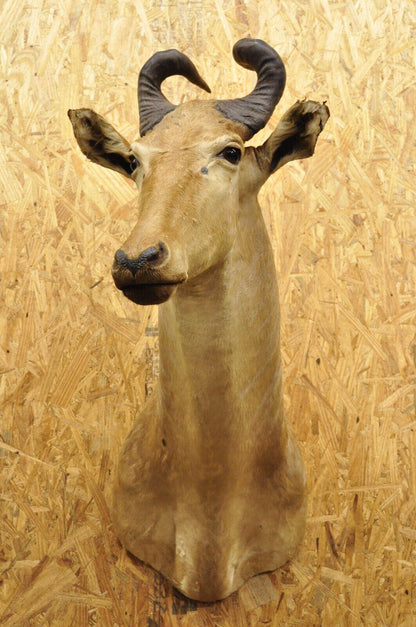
(150,294)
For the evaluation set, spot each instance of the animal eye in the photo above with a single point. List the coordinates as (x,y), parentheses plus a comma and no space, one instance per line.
(231,154)
(133,163)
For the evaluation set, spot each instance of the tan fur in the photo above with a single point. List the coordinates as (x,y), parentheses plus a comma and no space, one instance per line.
(211,486)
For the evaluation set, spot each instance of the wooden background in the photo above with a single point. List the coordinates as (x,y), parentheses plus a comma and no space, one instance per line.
(77,359)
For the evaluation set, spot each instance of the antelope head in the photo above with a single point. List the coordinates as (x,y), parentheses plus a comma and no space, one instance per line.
(195,176)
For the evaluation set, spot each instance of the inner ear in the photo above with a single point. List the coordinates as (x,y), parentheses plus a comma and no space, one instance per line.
(284,152)
(296,135)
(117,161)
(100,142)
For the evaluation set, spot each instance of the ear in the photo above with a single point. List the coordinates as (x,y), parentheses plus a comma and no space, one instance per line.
(100,142)
(294,138)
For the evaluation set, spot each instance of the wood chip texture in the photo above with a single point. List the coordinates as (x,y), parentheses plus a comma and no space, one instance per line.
(77,359)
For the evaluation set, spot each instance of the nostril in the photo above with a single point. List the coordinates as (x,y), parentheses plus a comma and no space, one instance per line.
(124,262)
(121,257)
(160,253)
(150,255)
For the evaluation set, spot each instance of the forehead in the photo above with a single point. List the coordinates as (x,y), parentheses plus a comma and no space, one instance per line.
(192,123)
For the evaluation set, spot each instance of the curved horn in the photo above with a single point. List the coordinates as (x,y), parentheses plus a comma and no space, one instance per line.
(153,105)
(255,109)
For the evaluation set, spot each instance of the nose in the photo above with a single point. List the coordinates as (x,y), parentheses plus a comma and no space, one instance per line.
(150,258)
(125,269)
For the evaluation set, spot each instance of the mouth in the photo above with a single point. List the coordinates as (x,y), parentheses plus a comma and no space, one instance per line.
(150,294)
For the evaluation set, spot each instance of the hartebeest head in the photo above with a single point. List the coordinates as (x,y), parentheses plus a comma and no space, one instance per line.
(210,488)
(194,174)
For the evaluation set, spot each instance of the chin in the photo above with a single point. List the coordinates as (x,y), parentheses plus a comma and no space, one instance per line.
(150,294)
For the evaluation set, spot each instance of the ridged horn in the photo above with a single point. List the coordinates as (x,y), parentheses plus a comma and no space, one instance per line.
(255,109)
(153,105)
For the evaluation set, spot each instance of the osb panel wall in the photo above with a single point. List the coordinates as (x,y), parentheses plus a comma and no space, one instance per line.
(77,359)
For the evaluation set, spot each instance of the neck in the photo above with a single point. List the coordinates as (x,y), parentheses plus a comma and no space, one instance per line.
(220,377)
